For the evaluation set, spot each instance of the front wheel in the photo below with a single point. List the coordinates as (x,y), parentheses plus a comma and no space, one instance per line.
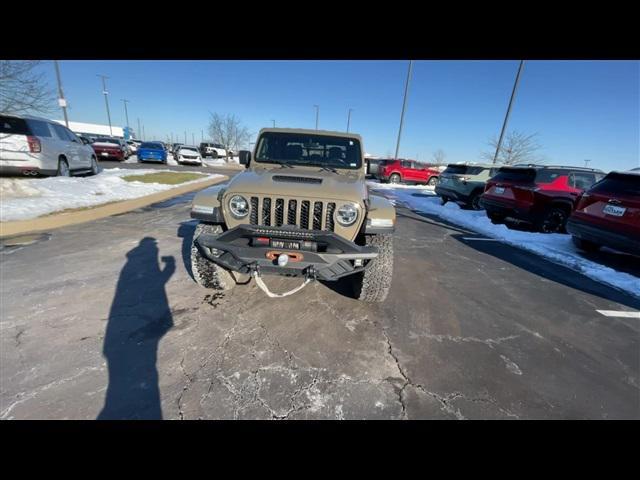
(214,154)
(205,272)
(394,178)
(433,181)
(475,202)
(374,283)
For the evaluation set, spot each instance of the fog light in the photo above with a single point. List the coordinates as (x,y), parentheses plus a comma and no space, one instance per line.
(283,259)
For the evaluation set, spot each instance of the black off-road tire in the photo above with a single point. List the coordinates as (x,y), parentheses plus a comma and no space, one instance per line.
(205,272)
(474,202)
(373,284)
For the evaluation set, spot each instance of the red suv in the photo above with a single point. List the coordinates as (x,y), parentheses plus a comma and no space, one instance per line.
(540,196)
(407,171)
(608,214)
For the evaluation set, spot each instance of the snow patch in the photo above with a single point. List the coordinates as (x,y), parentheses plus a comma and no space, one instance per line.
(24,199)
(556,247)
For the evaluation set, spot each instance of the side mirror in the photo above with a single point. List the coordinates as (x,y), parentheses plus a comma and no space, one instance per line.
(244,157)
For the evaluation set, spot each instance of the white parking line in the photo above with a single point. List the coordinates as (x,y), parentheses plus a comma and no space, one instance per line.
(482,239)
(619,313)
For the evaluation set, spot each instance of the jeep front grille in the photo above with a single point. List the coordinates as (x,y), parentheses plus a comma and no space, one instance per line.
(304,214)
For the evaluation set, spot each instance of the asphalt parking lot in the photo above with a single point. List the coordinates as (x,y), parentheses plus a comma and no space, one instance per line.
(103,320)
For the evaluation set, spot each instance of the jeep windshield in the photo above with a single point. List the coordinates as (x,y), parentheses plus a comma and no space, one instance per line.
(310,150)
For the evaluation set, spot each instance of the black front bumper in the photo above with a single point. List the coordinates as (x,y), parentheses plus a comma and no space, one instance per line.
(600,236)
(334,259)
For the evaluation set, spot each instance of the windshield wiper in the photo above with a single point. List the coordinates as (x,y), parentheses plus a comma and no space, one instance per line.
(328,169)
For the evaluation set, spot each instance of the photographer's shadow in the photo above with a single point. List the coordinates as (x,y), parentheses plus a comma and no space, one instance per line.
(139,317)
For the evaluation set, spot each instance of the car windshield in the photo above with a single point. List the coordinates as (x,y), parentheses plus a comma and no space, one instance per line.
(189,149)
(151,146)
(309,150)
(108,140)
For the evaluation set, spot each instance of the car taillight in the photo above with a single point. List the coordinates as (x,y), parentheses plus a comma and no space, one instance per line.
(34,144)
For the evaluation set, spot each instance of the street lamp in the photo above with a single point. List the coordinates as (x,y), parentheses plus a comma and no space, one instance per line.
(404,106)
(317,107)
(506,118)
(274,123)
(126,113)
(106,101)
(349,119)
(61,100)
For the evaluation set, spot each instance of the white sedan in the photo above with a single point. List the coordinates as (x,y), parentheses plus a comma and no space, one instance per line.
(188,154)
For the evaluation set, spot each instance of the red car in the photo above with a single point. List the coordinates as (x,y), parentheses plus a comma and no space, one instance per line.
(407,171)
(536,195)
(609,214)
(108,149)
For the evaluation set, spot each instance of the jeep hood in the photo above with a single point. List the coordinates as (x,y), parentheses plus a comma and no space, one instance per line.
(301,182)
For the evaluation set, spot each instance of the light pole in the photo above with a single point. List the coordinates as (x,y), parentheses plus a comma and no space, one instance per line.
(202,135)
(185,137)
(139,131)
(61,100)
(274,123)
(106,101)
(126,113)
(144,135)
(349,119)
(506,118)
(317,114)
(193,138)
(404,106)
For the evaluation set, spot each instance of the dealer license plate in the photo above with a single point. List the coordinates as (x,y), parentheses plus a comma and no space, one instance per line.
(613,210)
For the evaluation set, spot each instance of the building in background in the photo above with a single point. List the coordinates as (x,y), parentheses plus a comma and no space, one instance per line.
(94,130)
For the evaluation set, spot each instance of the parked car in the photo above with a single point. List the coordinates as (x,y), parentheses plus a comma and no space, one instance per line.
(175,147)
(374,164)
(133,147)
(37,146)
(152,152)
(464,183)
(608,214)
(408,171)
(188,154)
(537,195)
(214,150)
(109,148)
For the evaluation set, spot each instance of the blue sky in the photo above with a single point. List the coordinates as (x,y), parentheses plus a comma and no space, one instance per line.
(580,109)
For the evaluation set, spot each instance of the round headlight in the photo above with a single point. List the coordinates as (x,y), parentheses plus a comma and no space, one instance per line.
(238,206)
(347,214)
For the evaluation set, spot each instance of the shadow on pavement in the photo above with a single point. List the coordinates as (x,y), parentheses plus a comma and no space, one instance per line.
(139,317)
(186,231)
(552,271)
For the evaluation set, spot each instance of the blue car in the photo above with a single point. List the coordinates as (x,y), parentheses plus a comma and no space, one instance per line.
(152,152)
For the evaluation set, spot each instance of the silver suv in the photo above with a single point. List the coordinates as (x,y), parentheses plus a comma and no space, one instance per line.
(463,183)
(32,145)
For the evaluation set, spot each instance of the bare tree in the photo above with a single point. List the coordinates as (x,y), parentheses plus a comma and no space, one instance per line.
(438,157)
(228,131)
(24,90)
(517,147)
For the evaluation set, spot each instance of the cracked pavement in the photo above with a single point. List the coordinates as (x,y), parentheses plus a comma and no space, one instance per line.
(470,331)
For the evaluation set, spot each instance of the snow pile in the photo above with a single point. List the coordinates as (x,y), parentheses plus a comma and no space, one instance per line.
(24,199)
(216,162)
(555,247)
(392,186)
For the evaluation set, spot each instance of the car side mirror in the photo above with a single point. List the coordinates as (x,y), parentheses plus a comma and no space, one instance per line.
(244,157)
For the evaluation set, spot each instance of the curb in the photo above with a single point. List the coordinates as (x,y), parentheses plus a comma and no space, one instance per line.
(54,221)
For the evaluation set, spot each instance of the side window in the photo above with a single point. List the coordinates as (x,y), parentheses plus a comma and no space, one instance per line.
(72,136)
(39,128)
(582,181)
(61,132)
(405,164)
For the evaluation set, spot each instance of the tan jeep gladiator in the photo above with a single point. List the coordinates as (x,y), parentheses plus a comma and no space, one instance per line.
(301,208)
